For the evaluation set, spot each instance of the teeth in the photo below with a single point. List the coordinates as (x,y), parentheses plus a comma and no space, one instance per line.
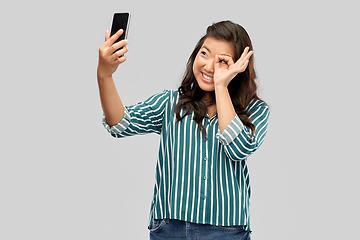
(207,77)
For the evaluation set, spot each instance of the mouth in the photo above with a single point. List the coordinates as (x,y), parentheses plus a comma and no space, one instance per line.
(207,78)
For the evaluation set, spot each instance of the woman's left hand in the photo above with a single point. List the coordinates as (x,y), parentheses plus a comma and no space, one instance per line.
(225,69)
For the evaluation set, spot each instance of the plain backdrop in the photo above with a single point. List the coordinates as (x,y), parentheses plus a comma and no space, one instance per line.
(62,176)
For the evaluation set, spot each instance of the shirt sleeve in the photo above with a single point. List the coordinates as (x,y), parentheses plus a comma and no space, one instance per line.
(236,138)
(141,118)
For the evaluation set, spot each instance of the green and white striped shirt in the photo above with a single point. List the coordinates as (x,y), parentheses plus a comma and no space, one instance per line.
(197,180)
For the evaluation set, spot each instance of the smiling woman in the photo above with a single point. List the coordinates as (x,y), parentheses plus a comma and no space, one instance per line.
(208,129)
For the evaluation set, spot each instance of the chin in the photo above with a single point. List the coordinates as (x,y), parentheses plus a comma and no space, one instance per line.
(207,89)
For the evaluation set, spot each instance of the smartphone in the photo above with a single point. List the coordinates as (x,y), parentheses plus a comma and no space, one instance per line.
(120,21)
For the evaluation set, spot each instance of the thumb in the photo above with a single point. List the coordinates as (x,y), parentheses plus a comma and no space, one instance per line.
(107,35)
(217,62)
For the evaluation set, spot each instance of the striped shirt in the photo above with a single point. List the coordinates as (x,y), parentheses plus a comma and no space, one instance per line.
(199,180)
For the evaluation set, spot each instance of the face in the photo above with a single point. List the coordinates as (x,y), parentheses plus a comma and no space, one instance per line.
(203,66)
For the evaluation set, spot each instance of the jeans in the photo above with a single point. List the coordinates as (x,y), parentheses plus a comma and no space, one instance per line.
(175,229)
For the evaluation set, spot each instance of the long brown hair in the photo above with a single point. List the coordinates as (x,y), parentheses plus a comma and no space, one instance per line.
(242,88)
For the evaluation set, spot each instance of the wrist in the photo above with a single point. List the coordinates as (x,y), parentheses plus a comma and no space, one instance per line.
(221,84)
(101,78)
(221,88)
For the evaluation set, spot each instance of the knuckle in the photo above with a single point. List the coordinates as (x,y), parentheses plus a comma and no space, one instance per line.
(112,47)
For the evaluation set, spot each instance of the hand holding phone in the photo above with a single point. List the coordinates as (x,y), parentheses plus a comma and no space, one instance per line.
(111,53)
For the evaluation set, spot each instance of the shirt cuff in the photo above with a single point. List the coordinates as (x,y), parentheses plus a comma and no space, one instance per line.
(121,126)
(231,132)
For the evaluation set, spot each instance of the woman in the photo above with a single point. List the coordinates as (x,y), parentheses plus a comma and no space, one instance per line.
(207,129)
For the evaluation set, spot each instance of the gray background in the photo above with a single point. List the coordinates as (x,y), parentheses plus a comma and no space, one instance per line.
(63,177)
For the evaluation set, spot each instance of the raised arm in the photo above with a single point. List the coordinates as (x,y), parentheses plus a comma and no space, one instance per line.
(109,60)
(225,71)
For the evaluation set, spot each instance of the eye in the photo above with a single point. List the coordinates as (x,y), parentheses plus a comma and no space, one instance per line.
(204,53)
(223,61)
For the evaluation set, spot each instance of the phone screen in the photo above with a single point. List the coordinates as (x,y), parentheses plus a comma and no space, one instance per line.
(120,21)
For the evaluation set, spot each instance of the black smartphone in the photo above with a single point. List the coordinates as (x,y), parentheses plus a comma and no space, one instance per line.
(120,21)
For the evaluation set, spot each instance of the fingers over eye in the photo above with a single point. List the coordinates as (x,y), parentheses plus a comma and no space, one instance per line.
(225,59)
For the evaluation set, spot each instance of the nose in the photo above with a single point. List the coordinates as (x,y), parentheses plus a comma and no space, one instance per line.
(209,66)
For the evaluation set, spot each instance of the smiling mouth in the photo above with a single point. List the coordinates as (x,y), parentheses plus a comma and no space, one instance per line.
(207,77)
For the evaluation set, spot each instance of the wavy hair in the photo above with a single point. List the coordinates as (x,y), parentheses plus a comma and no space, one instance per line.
(242,88)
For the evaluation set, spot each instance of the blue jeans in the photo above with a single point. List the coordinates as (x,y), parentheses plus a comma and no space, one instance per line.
(175,229)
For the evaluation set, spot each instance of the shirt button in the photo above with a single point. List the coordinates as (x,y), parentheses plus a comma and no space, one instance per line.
(205,158)
(204,197)
(204,178)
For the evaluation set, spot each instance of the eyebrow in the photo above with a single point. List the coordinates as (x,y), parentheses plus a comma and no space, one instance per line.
(210,51)
(206,48)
